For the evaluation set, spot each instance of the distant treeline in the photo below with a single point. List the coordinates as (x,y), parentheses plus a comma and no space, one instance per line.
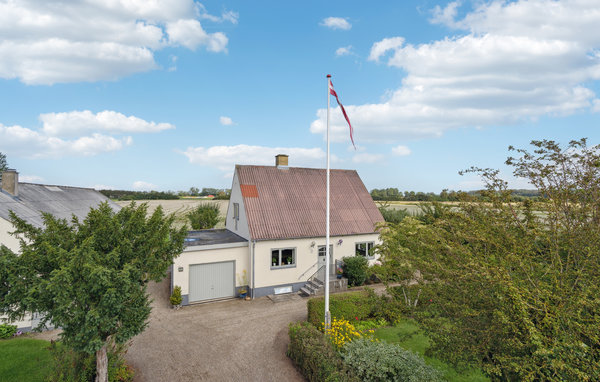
(165,195)
(392,194)
(139,195)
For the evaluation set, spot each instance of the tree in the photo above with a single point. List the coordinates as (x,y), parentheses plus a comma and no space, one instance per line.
(205,216)
(512,287)
(3,164)
(89,277)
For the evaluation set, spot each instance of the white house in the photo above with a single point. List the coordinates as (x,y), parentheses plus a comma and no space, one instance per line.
(28,201)
(274,239)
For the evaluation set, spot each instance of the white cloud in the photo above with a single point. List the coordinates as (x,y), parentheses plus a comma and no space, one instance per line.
(140,185)
(381,47)
(447,15)
(596,108)
(47,42)
(25,142)
(79,122)
(189,33)
(225,121)
(229,16)
(30,178)
(336,23)
(517,61)
(75,133)
(225,157)
(401,151)
(367,158)
(344,51)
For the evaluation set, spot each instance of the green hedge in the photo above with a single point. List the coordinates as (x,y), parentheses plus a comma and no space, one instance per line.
(7,330)
(314,355)
(380,362)
(353,306)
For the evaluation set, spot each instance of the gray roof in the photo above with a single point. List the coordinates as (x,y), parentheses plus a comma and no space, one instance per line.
(60,201)
(212,237)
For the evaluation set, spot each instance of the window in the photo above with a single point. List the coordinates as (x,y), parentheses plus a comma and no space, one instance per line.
(365,249)
(236,214)
(322,250)
(236,211)
(283,258)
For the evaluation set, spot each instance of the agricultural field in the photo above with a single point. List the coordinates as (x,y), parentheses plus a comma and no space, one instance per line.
(181,207)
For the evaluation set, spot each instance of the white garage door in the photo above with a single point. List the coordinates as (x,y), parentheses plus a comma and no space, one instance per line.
(210,281)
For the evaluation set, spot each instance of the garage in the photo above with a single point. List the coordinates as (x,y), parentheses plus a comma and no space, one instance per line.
(212,281)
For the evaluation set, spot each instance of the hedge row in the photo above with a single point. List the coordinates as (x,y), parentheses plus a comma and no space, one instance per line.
(353,306)
(314,355)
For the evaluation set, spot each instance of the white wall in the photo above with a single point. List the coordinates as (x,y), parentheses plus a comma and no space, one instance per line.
(5,238)
(306,257)
(195,255)
(236,197)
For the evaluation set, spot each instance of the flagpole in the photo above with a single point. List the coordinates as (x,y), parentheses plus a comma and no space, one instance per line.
(327,254)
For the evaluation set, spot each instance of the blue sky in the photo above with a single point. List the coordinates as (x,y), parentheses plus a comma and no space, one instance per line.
(167,95)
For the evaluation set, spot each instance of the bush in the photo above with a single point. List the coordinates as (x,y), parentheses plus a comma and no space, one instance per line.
(314,356)
(380,361)
(7,331)
(71,366)
(354,306)
(175,298)
(355,269)
(393,215)
(205,216)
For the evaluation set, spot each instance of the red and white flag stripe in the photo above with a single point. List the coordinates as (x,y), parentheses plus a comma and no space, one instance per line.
(333,93)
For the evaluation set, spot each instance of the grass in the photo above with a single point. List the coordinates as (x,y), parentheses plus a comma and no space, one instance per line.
(408,335)
(24,359)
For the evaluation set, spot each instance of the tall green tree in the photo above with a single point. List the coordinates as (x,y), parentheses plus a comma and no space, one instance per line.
(205,216)
(89,277)
(512,287)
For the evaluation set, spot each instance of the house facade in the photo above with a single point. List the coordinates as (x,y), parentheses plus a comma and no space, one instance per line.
(274,239)
(28,201)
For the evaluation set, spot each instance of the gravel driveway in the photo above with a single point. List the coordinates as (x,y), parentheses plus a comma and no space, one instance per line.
(232,340)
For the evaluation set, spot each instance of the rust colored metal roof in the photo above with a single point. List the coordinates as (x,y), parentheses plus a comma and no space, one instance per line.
(290,203)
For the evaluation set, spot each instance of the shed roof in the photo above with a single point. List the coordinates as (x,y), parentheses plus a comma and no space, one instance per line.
(283,203)
(60,201)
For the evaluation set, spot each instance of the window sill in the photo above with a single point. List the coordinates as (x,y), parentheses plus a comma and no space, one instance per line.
(283,266)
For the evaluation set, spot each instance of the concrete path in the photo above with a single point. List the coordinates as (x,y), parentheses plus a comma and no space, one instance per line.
(232,340)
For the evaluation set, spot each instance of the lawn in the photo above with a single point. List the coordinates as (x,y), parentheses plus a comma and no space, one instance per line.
(24,359)
(408,336)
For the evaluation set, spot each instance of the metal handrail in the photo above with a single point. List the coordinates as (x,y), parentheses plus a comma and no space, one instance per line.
(314,275)
(309,268)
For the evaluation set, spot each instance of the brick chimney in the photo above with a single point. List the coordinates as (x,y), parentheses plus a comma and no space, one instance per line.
(281,161)
(10,182)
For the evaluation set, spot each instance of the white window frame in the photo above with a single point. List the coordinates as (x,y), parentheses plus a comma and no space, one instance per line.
(282,266)
(370,245)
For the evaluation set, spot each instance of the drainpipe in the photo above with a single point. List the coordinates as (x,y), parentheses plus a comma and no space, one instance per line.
(252,261)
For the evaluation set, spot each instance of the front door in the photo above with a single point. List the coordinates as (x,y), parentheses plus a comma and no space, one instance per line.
(323,260)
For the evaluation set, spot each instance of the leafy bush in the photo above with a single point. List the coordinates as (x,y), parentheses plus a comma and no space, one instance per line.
(205,216)
(71,366)
(355,269)
(354,306)
(175,298)
(380,361)
(7,331)
(314,355)
(392,215)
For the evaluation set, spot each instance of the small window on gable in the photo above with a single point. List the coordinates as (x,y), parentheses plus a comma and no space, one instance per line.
(365,249)
(283,258)
(236,211)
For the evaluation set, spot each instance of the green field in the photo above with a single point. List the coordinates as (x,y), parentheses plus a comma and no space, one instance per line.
(408,335)
(24,359)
